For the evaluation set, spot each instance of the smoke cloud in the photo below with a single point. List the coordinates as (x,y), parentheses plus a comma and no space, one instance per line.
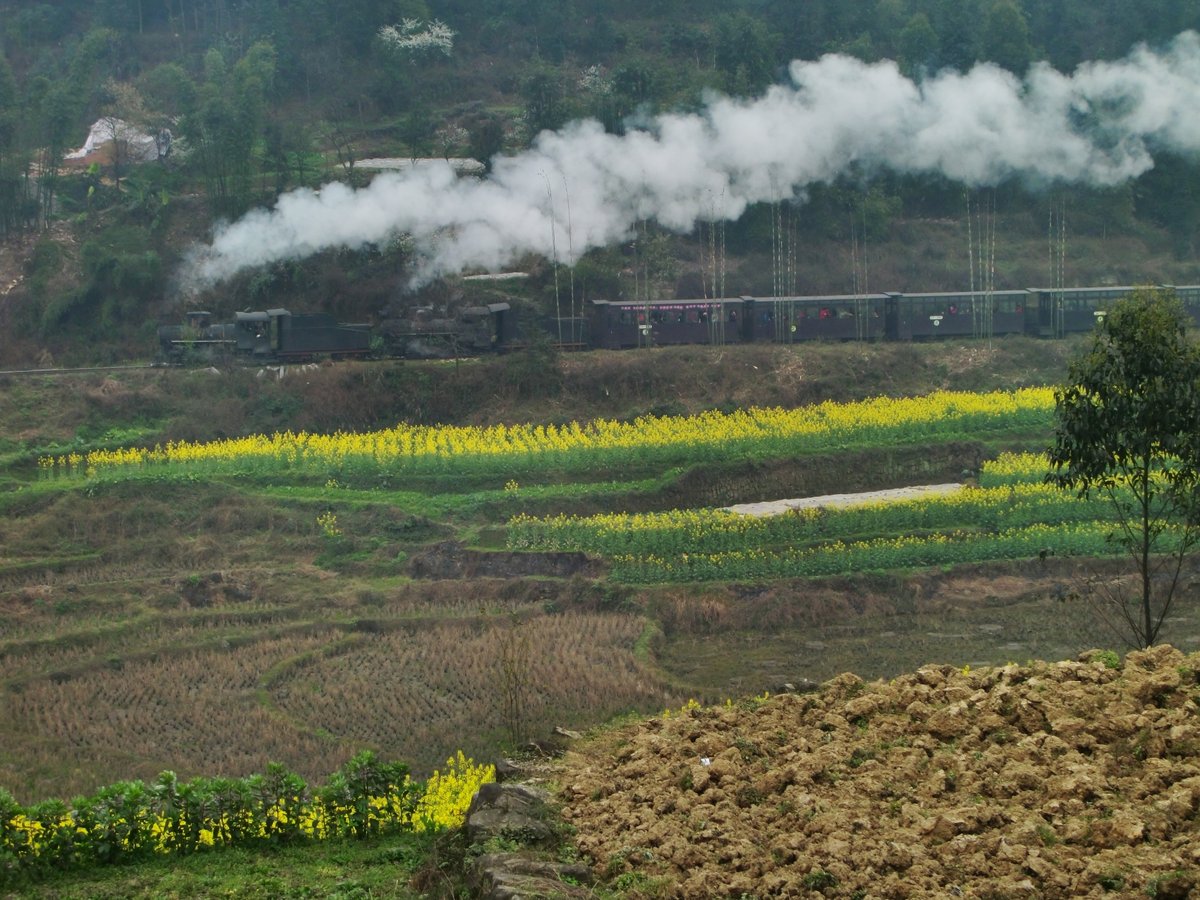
(581,188)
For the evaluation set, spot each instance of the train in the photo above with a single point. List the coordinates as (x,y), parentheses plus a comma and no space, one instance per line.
(280,336)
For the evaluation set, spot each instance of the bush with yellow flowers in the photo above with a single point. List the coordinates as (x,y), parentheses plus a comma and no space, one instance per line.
(130,820)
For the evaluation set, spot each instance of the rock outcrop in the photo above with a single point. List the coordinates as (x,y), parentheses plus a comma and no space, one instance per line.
(515,835)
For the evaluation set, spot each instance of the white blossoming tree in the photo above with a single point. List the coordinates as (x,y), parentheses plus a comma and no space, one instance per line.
(416,37)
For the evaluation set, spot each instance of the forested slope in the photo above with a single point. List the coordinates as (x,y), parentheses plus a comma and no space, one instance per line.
(263,96)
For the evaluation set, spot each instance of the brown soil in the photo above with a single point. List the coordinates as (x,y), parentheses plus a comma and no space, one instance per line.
(1070,779)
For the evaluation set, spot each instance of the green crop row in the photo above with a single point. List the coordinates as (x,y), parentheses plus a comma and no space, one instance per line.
(722,531)
(1084,539)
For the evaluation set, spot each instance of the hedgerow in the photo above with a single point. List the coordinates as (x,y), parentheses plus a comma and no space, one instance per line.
(133,820)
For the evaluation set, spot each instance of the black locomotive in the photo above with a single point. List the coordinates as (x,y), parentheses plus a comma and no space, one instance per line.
(274,335)
(277,335)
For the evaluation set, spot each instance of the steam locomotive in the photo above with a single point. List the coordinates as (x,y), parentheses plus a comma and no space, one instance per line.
(278,335)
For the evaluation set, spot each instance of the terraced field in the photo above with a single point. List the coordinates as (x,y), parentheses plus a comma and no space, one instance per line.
(212,608)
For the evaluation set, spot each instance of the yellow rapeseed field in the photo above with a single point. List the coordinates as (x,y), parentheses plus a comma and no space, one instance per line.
(825,426)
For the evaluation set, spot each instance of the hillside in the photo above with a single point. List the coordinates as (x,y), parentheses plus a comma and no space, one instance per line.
(264,102)
(210,570)
(1039,779)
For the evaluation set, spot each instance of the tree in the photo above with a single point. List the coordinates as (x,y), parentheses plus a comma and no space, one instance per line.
(1126,430)
(54,107)
(1006,37)
(486,138)
(546,106)
(417,130)
(744,52)
(14,168)
(918,45)
(226,125)
(953,22)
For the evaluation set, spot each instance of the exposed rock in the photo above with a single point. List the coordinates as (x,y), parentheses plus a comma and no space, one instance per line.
(512,812)
(524,876)
(509,770)
(516,815)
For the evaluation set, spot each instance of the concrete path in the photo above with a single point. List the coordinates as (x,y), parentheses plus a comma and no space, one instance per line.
(776,507)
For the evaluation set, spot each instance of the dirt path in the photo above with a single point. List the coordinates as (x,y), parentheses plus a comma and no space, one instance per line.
(778,507)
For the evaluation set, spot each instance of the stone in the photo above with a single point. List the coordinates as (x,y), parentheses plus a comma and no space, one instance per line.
(523,876)
(514,812)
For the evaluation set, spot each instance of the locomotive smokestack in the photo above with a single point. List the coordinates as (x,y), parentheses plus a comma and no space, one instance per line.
(1097,125)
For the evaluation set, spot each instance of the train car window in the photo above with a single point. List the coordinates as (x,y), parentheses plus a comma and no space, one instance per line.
(625,318)
(693,316)
(656,316)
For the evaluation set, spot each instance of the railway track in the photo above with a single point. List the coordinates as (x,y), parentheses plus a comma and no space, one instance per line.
(18,373)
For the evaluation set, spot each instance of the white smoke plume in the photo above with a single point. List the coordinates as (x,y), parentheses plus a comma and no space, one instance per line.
(1097,126)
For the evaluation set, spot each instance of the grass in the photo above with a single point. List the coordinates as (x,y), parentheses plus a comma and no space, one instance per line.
(350,870)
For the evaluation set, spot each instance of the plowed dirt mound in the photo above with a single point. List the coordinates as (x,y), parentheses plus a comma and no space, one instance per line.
(1070,779)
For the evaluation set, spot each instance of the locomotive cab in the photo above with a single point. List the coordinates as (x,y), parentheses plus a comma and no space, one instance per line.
(258,332)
